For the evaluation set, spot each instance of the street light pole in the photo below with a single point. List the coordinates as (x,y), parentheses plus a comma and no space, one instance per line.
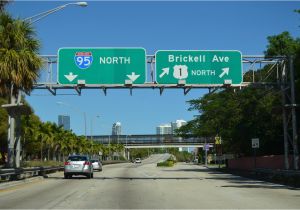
(109,147)
(97,116)
(41,15)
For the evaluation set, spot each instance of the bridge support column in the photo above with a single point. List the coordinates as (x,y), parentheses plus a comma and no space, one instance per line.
(124,153)
(128,154)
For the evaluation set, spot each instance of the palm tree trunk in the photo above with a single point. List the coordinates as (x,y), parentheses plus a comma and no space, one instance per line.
(59,156)
(48,153)
(41,150)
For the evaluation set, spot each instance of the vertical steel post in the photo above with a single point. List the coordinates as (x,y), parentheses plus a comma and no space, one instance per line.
(11,142)
(18,133)
(205,153)
(92,129)
(84,116)
(11,133)
(18,141)
(284,117)
(254,158)
(293,108)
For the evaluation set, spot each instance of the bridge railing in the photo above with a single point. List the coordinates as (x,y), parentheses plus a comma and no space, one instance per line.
(149,139)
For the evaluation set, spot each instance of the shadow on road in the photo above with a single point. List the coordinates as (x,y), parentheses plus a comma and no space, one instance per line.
(233,181)
(209,171)
(131,178)
(260,186)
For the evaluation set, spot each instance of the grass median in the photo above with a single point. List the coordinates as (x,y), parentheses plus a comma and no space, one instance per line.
(167,163)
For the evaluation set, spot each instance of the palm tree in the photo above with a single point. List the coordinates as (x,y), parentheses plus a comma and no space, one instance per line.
(2,4)
(57,141)
(19,61)
(19,65)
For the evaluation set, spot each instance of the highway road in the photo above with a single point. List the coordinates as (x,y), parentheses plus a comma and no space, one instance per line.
(141,186)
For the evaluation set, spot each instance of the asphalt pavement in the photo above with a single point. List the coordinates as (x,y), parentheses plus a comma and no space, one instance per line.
(145,186)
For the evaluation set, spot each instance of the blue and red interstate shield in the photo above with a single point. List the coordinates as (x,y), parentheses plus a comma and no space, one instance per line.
(83,59)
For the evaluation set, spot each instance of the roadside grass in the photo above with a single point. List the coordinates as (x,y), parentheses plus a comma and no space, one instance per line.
(216,165)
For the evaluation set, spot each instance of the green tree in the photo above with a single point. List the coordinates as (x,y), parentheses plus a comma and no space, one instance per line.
(19,61)
(237,116)
(3,3)
(30,129)
(282,45)
(3,129)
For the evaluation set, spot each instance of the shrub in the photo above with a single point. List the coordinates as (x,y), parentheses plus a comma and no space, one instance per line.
(167,163)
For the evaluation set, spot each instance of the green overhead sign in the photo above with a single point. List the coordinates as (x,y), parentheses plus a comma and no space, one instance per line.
(101,66)
(198,67)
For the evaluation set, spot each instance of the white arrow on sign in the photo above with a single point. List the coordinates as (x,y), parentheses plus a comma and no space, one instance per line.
(133,76)
(225,71)
(71,76)
(165,72)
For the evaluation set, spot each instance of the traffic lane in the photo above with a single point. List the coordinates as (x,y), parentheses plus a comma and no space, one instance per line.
(146,186)
(219,190)
(184,186)
(54,190)
(193,186)
(42,194)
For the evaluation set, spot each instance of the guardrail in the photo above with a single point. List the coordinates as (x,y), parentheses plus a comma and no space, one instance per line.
(21,173)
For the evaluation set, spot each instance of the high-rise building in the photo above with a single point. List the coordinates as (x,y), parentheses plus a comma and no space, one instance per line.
(177,124)
(116,129)
(164,129)
(64,120)
(170,128)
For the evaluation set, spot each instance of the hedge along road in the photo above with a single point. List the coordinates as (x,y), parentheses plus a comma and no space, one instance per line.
(127,186)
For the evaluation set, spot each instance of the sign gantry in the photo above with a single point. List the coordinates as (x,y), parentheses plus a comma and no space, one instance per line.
(131,68)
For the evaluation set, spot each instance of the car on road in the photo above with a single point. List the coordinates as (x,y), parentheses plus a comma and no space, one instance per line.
(137,160)
(97,165)
(78,165)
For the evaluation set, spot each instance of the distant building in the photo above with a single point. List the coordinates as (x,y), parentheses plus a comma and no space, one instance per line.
(164,129)
(170,128)
(116,129)
(177,124)
(64,121)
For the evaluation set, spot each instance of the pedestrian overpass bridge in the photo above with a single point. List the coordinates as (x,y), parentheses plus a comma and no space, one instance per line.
(153,141)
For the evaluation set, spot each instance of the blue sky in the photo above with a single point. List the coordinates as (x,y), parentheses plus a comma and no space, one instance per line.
(192,25)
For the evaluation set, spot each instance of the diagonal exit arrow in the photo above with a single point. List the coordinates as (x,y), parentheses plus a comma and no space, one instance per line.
(165,72)
(225,71)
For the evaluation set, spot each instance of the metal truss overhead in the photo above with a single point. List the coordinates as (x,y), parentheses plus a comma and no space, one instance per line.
(48,77)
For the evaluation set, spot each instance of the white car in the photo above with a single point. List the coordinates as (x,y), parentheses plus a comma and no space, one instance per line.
(138,160)
(97,165)
(78,165)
